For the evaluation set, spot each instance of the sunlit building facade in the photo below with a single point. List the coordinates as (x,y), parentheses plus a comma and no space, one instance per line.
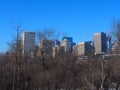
(100,42)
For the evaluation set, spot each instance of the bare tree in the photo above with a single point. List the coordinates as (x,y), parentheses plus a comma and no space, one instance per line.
(16,56)
(46,39)
(115,31)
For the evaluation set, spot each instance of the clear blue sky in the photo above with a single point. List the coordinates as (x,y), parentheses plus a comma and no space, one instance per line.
(79,19)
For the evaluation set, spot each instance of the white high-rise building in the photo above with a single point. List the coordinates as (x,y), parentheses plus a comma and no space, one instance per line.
(28,41)
(66,44)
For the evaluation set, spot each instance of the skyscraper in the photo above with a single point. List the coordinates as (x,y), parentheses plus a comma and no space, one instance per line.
(58,50)
(28,41)
(100,42)
(56,43)
(66,44)
(70,39)
(70,42)
(46,48)
(75,51)
(84,48)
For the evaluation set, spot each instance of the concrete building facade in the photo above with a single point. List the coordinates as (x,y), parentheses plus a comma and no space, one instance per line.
(28,41)
(75,51)
(46,48)
(100,42)
(66,44)
(84,49)
(58,51)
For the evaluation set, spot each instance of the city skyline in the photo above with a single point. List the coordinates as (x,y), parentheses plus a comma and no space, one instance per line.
(73,18)
(100,44)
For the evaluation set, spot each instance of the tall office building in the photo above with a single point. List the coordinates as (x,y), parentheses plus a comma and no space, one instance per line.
(75,51)
(28,41)
(46,48)
(84,48)
(66,44)
(56,43)
(100,42)
(70,40)
(58,50)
